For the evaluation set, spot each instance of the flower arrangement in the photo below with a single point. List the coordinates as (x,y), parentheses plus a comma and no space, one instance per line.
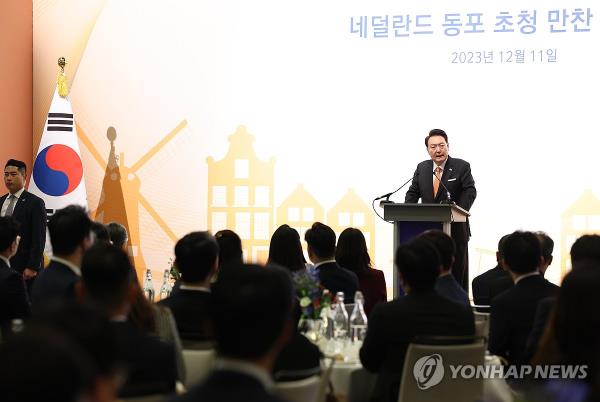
(312,296)
(173,271)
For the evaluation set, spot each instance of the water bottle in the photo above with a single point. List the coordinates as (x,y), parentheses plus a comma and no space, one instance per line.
(358,319)
(148,286)
(165,289)
(340,317)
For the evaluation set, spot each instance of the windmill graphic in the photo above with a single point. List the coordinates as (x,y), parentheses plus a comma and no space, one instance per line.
(120,199)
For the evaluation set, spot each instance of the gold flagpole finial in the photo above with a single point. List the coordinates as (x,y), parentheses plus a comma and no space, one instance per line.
(63,89)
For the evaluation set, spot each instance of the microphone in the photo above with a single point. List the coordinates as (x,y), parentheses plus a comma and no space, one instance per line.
(388,195)
(448,198)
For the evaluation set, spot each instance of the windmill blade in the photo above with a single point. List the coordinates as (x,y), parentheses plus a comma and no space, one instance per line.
(90,146)
(159,221)
(158,146)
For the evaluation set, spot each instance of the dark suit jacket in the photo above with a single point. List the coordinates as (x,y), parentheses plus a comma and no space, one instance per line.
(482,284)
(459,181)
(229,386)
(13,296)
(57,281)
(542,314)
(512,317)
(338,279)
(150,362)
(191,310)
(300,358)
(499,286)
(372,285)
(448,287)
(30,212)
(393,325)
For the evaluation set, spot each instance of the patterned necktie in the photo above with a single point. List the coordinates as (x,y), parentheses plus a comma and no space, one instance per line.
(436,180)
(11,205)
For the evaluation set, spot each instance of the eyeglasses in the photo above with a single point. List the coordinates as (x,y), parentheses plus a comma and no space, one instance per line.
(440,146)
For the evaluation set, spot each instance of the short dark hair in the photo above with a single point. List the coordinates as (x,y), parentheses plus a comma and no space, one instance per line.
(444,244)
(351,251)
(321,240)
(586,247)
(100,231)
(106,274)
(90,328)
(230,247)
(118,234)
(257,299)
(195,254)
(285,249)
(522,252)
(501,245)
(43,364)
(68,227)
(20,165)
(9,230)
(436,132)
(546,245)
(418,262)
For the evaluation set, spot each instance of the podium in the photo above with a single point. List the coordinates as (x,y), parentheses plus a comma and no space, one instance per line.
(410,220)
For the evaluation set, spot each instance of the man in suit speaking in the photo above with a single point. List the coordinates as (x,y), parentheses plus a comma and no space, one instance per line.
(456,178)
(30,211)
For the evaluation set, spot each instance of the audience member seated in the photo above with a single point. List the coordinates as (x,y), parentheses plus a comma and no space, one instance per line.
(230,252)
(41,364)
(300,358)
(351,253)
(90,330)
(513,312)
(321,251)
(196,258)
(107,282)
(14,302)
(445,284)
(70,236)
(482,284)
(118,235)
(100,232)
(285,249)
(585,251)
(422,312)
(572,336)
(252,321)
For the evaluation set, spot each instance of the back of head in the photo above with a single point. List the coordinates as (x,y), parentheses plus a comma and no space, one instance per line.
(195,256)
(68,228)
(418,263)
(445,246)
(87,327)
(118,234)
(351,251)
(42,364)
(9,229)
(577,324)
(546,245)
(100,232)
(587,247)
(522,252)
(230,247)
(285,249)
(250,311)
(321,240)
(106,274)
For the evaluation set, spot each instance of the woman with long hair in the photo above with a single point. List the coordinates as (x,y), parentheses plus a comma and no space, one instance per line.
(351,253)
(285,249)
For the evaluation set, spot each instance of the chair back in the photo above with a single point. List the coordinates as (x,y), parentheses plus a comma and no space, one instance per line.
(198,363)
(147,398)
(426,375)
(482,325)
(305,390)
